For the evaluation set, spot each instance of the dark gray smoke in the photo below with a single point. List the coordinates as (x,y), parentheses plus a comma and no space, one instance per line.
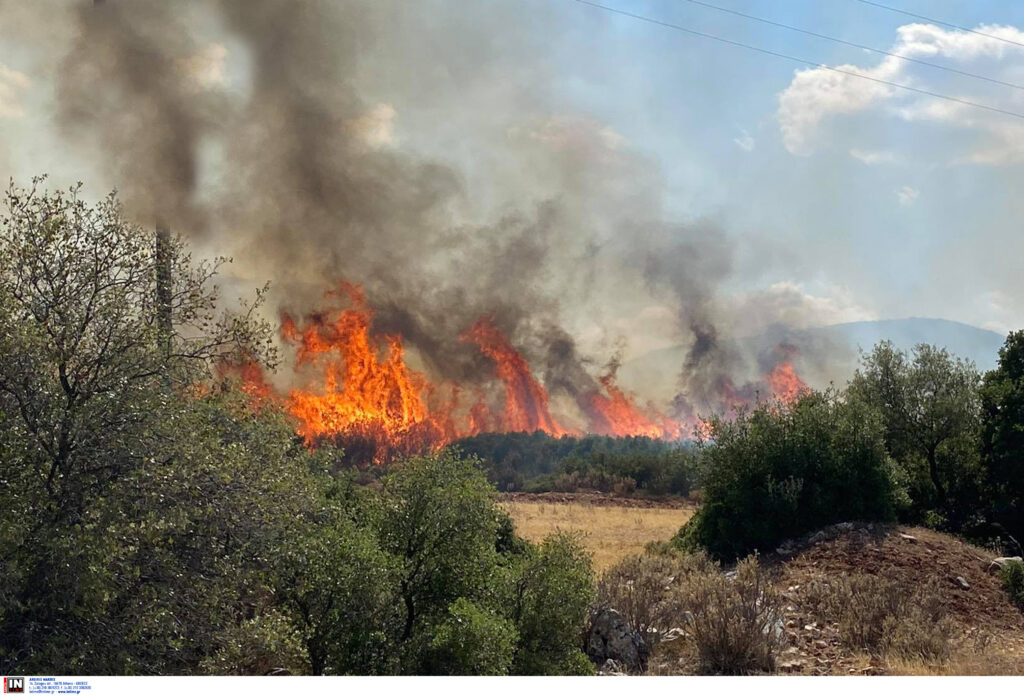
(122,89)
(307,192)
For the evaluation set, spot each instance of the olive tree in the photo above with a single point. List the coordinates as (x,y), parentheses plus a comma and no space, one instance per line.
(930,406)
(1003,438)
(107,505)
(84,370)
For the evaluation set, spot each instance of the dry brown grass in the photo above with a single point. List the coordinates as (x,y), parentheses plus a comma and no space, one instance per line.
(1004,659)
(610,532)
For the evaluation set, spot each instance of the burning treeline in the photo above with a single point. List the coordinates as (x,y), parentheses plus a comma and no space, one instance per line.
(361,390)
(267,130)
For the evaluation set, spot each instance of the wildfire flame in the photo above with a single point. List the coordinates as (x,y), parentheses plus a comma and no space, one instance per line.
(360,390)
(783,380)
(615,413)
(526,401)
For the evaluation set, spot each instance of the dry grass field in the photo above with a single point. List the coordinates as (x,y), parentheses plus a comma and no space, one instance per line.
(611,529)
(988,637)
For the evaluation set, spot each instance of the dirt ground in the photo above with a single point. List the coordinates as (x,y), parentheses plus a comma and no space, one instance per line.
(988,634)
(989,629)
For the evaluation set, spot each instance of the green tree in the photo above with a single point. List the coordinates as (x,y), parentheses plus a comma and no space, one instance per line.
(342,588)
(440,524)
(83,373)
(782,470)
(551,595)
(93,407)
(470,641)
(1002,399)
(929,401)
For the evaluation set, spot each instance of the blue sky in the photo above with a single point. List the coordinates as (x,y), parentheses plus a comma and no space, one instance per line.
(838,203)
(687,101)
(878,215)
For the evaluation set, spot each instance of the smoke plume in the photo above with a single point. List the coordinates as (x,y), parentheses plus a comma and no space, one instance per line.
(256,127)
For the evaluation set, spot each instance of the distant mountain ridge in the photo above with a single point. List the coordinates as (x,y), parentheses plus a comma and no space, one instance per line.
(979,345)
(825,353)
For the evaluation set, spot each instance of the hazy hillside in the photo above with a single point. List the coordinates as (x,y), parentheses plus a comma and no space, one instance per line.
(827,353)
(976,344)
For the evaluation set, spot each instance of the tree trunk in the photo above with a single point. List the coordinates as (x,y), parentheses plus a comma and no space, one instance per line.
(933,471)
(410,616)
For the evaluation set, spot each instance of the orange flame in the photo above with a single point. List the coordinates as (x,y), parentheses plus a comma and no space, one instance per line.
(783,380)
(616,414)
(526,401)
(359,389)
(250,376)
(360,392)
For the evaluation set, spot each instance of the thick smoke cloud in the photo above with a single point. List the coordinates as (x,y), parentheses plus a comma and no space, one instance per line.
(310,187)
(124,87)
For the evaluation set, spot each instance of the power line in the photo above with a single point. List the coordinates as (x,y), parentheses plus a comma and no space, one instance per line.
(854,45)
(939,21)
(740,44)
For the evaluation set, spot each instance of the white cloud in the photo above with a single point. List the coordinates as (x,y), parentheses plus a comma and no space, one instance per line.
(875,156)
(745,142)
(907,195)
(817,95)
(12,85)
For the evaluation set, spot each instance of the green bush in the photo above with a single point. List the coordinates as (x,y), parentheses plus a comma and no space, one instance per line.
(538,462)
(1013,579)
(341,587)
(782,470)
(258,646)
(550,598)
(471,642)
(440,525)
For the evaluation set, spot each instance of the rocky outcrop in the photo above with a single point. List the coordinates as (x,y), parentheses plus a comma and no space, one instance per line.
(611,638)
(1001,562)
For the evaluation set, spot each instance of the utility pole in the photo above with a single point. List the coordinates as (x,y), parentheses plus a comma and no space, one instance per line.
(165,327)
(163,287)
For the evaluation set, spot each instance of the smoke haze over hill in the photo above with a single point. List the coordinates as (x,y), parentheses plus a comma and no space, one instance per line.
(278,133)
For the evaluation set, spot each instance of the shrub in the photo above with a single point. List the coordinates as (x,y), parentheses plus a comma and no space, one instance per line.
(549,605)
(537,462)
(471,642)
(343,591)
(783,470)
(441,527)
(733,621)
(882,615)
(642,589)
(256,647)
(1013,579)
